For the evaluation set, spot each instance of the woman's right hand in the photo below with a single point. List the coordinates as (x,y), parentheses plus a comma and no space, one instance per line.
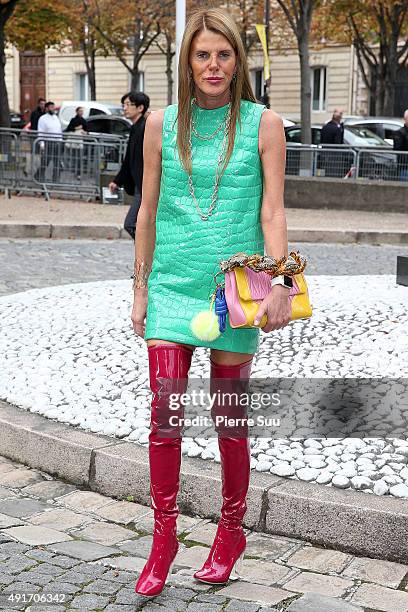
(139,312)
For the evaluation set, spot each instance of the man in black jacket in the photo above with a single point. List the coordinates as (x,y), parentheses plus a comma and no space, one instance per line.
(36,114)
(334,163)
(130,176)
(401,144)
(333,131)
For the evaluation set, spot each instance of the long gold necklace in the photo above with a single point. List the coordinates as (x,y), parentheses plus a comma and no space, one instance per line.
(214,196)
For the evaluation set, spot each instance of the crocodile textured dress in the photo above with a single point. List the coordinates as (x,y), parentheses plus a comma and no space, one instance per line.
(188,249)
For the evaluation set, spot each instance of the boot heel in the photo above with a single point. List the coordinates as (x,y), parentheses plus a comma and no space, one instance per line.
(170,570)
(236,571)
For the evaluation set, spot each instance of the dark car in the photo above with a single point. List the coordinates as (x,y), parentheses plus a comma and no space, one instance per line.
(338,163)
(109,124)
(112,131)
(17,120)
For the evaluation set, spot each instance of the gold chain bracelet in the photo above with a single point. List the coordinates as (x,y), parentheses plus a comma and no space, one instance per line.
(140,275)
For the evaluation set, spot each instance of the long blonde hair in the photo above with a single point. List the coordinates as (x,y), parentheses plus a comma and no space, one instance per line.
(219,21)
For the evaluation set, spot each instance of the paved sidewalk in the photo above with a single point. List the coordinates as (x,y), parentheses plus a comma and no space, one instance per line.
(25,216)
(80,550)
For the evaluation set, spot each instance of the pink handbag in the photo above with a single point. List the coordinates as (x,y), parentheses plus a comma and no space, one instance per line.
(245,289)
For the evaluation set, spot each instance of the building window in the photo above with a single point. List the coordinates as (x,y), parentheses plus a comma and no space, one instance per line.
(258,82)
(319,89)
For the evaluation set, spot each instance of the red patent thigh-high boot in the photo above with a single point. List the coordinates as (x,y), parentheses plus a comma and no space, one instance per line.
(168,368)
(228,548)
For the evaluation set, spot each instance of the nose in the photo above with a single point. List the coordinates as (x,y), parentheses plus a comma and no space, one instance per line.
(213,61)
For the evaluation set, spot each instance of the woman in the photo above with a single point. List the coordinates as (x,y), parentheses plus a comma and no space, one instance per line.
(187,223)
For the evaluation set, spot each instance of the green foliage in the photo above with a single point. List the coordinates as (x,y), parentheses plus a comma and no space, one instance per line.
(36,24)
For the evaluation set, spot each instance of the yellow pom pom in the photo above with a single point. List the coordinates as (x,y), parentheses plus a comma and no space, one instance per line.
(205,325)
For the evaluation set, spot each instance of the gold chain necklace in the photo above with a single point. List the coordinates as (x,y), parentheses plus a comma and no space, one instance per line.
(205,216)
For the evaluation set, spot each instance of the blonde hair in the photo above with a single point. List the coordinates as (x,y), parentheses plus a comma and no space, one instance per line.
(219,21)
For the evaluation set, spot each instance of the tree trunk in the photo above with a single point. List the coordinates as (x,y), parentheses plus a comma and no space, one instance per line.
(4,105)
(305,89)
(380,97)
(92,75)
(169,69)
(88,51)
(6,11)
(391,79)
(134,86)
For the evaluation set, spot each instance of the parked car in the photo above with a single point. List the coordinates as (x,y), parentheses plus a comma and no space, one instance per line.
(384,127)
(17,120)
(67,110)
(109,124)
(373,164)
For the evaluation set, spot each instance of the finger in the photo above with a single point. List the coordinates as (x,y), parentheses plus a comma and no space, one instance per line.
(139,330)
(135,326)
(259,315)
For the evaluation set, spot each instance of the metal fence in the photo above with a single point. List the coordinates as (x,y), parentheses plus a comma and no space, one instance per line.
(69,164)
(73,164)
(340,161)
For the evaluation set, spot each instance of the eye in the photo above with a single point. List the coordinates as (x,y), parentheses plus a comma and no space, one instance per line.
(225,54)
(202,54)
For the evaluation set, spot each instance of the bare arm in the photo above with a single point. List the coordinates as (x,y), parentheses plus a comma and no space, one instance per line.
(145,237)
(272,144)
(272,150)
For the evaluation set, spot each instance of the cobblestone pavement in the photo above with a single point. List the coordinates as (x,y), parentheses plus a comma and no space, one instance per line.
(26,264)
(72,549)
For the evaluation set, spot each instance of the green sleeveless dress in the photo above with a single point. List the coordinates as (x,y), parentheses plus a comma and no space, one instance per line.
(188,249)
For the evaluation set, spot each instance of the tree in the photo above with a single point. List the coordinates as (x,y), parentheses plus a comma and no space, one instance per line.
(36,24)
(168,30)
(133,28)
(247,14)
(80,30)
(298,16)
(378,29)
(58,23)
(6,10)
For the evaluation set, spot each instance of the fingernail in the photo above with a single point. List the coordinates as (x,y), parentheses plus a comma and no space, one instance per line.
(256,321)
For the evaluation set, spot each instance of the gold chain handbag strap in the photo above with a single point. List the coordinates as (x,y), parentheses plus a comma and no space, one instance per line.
(289,266)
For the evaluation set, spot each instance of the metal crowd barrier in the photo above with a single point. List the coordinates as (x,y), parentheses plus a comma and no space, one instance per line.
(342,161)
(8,158)
(69,164)
(73,164)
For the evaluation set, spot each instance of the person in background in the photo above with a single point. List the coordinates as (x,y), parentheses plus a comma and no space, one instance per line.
(333,131)
(130,176)
(401,144)
(79,126)
(334,163)
(49,126)
(37,113)
(78,123)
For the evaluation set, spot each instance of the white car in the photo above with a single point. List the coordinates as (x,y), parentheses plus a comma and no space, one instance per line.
(67,110)
(384,127)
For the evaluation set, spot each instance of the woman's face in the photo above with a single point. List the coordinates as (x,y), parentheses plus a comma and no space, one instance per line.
(213,62)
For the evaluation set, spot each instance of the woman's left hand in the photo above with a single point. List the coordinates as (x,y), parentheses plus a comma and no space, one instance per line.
(277,308)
